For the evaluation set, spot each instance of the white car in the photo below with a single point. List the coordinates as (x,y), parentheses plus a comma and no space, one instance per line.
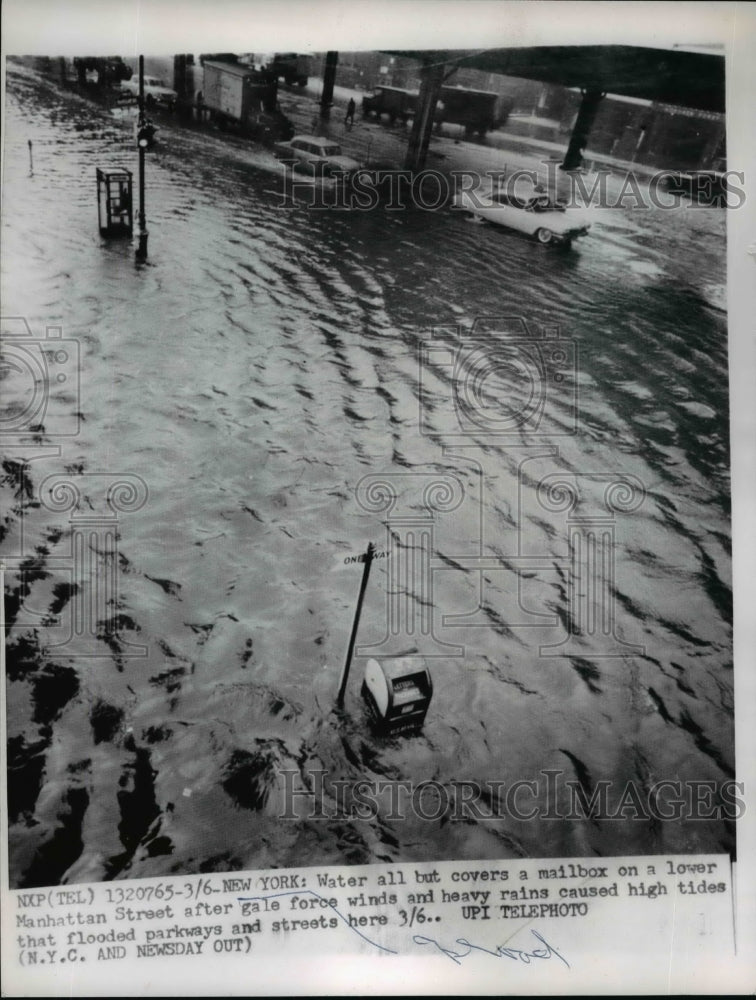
(537,215)
(316,153)
(155,92)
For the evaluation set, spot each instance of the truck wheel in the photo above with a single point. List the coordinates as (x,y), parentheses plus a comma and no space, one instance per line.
(392,117)
(544,235)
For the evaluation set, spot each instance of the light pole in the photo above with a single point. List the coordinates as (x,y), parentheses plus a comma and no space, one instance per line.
(142,142)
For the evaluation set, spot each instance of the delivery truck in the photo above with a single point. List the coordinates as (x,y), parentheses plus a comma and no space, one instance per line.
(241,97)
(479,111)
(292,66)
(390,101)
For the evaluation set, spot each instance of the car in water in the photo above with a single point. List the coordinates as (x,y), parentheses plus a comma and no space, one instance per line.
(316,154)
(155,92)
(538,216)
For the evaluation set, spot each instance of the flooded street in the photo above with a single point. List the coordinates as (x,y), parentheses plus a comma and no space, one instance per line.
(265,362)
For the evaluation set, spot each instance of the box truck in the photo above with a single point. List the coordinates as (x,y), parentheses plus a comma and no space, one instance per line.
(240,96)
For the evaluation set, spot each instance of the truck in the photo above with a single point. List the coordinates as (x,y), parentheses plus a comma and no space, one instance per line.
(391,101)
(241,97)
(479,111)
(292,66)
(111,70)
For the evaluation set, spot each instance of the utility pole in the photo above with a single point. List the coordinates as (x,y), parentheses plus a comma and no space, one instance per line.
(141,250)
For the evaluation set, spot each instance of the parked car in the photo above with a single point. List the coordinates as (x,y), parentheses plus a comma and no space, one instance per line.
(537,216)
(317,154)
(155,92)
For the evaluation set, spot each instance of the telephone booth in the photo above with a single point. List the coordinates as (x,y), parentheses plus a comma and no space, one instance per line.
(114,203)
(397,695)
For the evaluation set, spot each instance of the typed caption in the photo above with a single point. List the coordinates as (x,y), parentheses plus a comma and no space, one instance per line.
(527,914)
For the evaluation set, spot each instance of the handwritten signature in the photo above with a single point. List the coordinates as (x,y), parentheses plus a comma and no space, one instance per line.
(500,951)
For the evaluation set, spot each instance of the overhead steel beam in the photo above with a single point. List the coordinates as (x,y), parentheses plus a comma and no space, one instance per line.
(672,76)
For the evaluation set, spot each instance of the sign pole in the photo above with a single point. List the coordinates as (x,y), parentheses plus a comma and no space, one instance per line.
(141,251)
(369,553)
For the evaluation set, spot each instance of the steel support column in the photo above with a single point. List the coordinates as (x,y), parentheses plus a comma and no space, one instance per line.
(432,78)
(583,124)
(329,78)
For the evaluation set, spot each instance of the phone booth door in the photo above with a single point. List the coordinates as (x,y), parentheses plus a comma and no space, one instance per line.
(114,203)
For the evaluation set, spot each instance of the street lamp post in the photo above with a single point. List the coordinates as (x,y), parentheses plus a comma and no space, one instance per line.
(142,141)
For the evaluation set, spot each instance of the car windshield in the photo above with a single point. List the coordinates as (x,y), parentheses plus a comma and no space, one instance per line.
(539,202)
(332,150)
(506,199)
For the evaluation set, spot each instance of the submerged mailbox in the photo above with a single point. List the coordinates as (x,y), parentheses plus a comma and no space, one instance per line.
(397,694)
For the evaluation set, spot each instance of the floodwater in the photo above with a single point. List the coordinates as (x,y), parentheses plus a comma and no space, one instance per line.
(251,376)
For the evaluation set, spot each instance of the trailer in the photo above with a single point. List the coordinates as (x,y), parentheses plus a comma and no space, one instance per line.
(391,101)
(479,111)
(292,66)
(246,99)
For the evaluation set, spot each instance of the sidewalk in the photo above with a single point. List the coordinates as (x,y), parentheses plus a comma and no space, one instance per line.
(375,143)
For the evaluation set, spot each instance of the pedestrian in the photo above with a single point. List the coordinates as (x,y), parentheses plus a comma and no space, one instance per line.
(351,108)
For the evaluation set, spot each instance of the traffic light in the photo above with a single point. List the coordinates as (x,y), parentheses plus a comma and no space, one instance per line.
(145,135)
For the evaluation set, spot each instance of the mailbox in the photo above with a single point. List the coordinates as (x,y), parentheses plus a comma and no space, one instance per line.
(114,206)
(397,694)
